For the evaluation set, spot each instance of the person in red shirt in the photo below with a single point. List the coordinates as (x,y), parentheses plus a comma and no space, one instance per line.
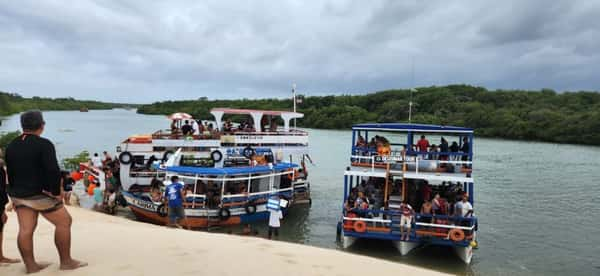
(423,145)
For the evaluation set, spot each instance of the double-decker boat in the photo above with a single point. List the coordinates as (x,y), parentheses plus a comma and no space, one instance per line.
(389,169)
(219,143)
(220,196)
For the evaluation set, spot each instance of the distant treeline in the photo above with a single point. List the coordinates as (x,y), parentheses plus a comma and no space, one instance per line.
(570,117)
(15,103)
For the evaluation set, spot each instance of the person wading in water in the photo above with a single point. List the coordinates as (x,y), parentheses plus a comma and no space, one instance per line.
(34,189)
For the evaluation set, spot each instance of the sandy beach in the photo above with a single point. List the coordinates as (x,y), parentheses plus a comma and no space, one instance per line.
(117,246)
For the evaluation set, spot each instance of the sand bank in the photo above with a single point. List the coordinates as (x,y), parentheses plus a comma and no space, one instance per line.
(117,246)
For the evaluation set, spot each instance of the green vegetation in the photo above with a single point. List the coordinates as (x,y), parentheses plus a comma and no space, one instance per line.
(570,117)
(72,163)
(14,103)
(7,137)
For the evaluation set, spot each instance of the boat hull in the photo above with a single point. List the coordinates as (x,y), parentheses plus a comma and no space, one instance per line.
(147,211)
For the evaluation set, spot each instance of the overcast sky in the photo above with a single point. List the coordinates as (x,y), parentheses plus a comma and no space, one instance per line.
(144,51)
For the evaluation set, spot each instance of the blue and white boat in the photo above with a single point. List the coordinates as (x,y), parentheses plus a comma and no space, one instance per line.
(389,166)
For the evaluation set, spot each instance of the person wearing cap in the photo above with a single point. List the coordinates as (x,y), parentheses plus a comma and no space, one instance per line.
(35,188)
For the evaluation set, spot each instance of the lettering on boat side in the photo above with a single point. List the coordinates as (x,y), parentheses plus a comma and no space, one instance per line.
(144,204)
(248,137)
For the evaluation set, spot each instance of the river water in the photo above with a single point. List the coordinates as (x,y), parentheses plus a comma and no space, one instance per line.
(536,202)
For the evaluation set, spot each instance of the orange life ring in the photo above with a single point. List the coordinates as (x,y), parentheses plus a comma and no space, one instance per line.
(360,226)
(456,235)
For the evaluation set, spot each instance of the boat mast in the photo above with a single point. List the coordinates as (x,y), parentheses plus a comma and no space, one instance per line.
(294,99)
(412,85)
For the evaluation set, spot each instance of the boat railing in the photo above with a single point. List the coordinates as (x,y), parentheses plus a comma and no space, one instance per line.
(212,135)
(413,164)
(423,225)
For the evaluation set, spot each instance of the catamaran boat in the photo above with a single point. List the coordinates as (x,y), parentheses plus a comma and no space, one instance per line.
(220,144)
(390,168)
(232,195)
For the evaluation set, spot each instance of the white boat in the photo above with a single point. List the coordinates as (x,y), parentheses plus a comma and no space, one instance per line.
(217,143)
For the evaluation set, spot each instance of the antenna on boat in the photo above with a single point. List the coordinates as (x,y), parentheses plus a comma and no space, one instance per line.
(294,99)
(412,89)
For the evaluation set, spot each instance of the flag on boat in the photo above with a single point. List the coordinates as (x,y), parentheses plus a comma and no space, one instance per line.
(273,204)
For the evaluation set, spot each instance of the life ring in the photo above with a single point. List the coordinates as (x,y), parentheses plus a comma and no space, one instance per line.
(456,235)
(162,210)
(250,208)
(248,152)
(360,226)
(224,214)
(125,158)
(216,156)
(166,155)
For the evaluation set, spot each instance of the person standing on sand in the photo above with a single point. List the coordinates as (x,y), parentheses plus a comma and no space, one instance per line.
(34,189)
(174,194)
(275,216)
(3,217)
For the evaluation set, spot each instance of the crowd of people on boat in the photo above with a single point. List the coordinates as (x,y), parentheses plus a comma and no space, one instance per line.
(199,127)
(448,205)
(192,127)
(380,145)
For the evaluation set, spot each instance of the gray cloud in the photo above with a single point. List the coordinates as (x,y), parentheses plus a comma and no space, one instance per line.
(142,51)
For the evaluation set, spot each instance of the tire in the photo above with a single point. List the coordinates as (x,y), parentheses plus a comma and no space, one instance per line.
(162,210)
(250,208)
(216,156)
(224,214)
(125,158)
(248,152)
(166,155)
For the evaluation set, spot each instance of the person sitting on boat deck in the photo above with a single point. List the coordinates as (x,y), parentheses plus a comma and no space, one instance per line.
(405,220)
(426,209)
(187,129)
(227,126)
(423,145)
(433,155)
(351,199)
(361,203)
(361,142)
(174,195)
(454,149)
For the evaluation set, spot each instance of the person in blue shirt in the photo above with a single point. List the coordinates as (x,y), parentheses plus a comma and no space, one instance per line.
(174,194)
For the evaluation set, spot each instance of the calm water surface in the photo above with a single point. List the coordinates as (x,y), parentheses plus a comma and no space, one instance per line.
(536,202)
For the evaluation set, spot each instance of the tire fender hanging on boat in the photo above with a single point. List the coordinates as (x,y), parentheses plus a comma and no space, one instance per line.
(224,213)
(162,210)
(216,156)
(248,152)
(125,158)
(250,208)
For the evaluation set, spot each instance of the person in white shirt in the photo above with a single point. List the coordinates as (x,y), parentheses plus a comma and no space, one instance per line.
(405,220)
(96,161)
(274,222)
(465,209)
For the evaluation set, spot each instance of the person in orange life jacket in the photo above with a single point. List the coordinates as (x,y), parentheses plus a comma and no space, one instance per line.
(405,219)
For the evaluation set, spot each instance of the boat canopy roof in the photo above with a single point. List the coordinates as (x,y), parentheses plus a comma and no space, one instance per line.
(251,111)
(229,170)
(404,127)
(256,115)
